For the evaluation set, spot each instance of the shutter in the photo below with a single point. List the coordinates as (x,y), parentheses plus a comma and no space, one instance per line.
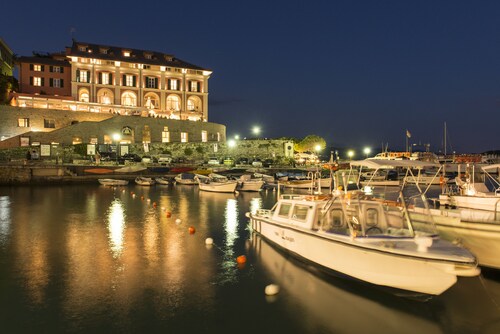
(168,84)
(31,67)
(134,82)
(51,82)
(77,75)
(31,81)
(51,68)
(61,83)
(62,69)
(43,82)
(110,76)
(88,76)
(43,68)
(156,83)
(198,86)
(100,78)
(124,80)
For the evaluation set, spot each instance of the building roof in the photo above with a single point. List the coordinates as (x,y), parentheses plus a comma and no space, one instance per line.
(107,52)
(42,60)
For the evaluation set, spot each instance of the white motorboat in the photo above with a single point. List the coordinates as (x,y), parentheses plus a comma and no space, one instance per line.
(477,230)
(367,239)
(163,180)
(247,183)
(380,177)
(113,182)
(186,178)
(216,183)
(144,181)
(313,181)
(472,195)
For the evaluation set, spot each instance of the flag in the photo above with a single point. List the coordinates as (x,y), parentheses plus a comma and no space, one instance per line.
(408,134)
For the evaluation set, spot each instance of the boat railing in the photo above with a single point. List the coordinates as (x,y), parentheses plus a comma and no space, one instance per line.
(265,213)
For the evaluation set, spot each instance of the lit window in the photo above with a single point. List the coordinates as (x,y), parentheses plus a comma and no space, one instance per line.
(191,106)
(84,96)
(56,83)
(37,68)
(77,140)
(82,48)
(105,78)
(165,135)
(184,137)
(218,136)
(174,84)
(93,140)
(126,53)
(129,99)
(23,122)
(84,76)
(49,123)
(37,81)
(148,56)
(173,103)
(194,86)
(204,136)
(129,80)
(56,69)
(151,82)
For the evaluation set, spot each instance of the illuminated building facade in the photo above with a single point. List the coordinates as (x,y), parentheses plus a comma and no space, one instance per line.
(6,59)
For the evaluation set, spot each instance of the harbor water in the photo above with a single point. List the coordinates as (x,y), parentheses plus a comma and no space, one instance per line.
(95,259)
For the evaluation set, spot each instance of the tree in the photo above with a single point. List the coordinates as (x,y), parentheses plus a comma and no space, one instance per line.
(7,85)
(310,144)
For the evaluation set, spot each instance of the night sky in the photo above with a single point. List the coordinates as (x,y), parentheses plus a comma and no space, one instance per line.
(358,73)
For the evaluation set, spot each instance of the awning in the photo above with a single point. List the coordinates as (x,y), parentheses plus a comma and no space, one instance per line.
(391,164)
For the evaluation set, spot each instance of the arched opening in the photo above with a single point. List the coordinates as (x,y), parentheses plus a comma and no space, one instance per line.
(129,99)
(173,103)
(151,101)
(194,103)
(105,96)
(83,95)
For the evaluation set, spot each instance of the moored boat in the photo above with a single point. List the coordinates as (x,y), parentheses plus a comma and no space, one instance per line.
(163,180)
(248,183)
(186,178)
(113,182)
(216,183)
(144,181)
(364,238)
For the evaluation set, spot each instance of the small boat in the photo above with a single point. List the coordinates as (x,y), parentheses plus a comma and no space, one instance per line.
(216,183)
(113,182)
(144,181)
(163,180)
(248,183)
(181,169)
(98,171)
(367,239)
(186,178)
(474,195)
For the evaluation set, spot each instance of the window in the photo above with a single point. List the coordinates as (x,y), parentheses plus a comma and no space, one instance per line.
(23,122)
(82,76)
(173,84)
(165,135)
(49,123)
(126,53)
(56,69)
(84,95)
(58,83)
(173,103)
(300,212)
(184,137)
(93,140)
(204,136)
(284,209)
(194,86)
(129,99)
(333,222)
(129,80)
(151,82)
(82,48)
(105,78)
(37,68)
(37,81)
(77,140)
(218,136)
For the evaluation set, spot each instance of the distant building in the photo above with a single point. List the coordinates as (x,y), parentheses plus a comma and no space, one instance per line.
(6,59)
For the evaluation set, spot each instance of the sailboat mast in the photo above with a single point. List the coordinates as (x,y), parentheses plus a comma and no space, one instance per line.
(445,139)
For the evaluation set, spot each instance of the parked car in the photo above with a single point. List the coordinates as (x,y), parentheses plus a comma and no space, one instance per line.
(130,157)
(243,161)
(228,161)
(147,159)
(164,159)
(108,156)
(268,163)
(257,163)
(213,161)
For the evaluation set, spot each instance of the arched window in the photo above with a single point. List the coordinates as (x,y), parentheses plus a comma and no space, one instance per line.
(83,95)
(173,103)
(129,99)
(105,96)
(194,103)
(151,101)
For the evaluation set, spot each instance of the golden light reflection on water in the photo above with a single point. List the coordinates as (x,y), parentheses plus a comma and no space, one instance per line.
(255,204)
(4,219)
(231,221)
(116,226)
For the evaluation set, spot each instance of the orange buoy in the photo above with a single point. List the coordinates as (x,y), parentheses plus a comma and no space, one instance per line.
(169,214)
(142,198)
(241,259)
(154,204)
(191,230)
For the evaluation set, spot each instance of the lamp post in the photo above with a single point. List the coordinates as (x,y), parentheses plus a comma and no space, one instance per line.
(117,138)
(317,148)
(350,154)
(256,130)
(367,151)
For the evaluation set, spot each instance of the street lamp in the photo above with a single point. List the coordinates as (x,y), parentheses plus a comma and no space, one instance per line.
(256,130)
(350,154)
(367,151)
(117,138)
(231,143)
(317,148)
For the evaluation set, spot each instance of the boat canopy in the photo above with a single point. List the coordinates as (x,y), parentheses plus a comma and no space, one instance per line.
(391,164)
(490,167)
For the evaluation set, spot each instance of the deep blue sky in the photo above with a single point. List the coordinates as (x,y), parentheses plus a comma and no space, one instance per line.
(355,72)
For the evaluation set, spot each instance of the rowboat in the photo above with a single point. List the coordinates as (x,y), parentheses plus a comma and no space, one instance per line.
(144,181)
(216,183)
(113,182)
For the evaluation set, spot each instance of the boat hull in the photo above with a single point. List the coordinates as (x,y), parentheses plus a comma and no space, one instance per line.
(489,203)
(113,182)
(219,187)
(250,185)
(377,267)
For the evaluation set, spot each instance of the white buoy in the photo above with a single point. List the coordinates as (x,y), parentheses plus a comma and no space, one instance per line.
(162,208)
(149,199)
(272,289)
(209,241)
(178,221)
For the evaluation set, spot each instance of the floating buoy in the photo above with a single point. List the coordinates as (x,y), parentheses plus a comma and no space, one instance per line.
(209,241)
(133,195)
(191,229)
(178,221)
(142,198)
(272,289)
(162,208)
(169,214)
(154,204)
(241,259)
(149,199)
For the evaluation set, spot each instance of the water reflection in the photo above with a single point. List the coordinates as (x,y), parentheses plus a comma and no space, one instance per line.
(4,219)
(116,226)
